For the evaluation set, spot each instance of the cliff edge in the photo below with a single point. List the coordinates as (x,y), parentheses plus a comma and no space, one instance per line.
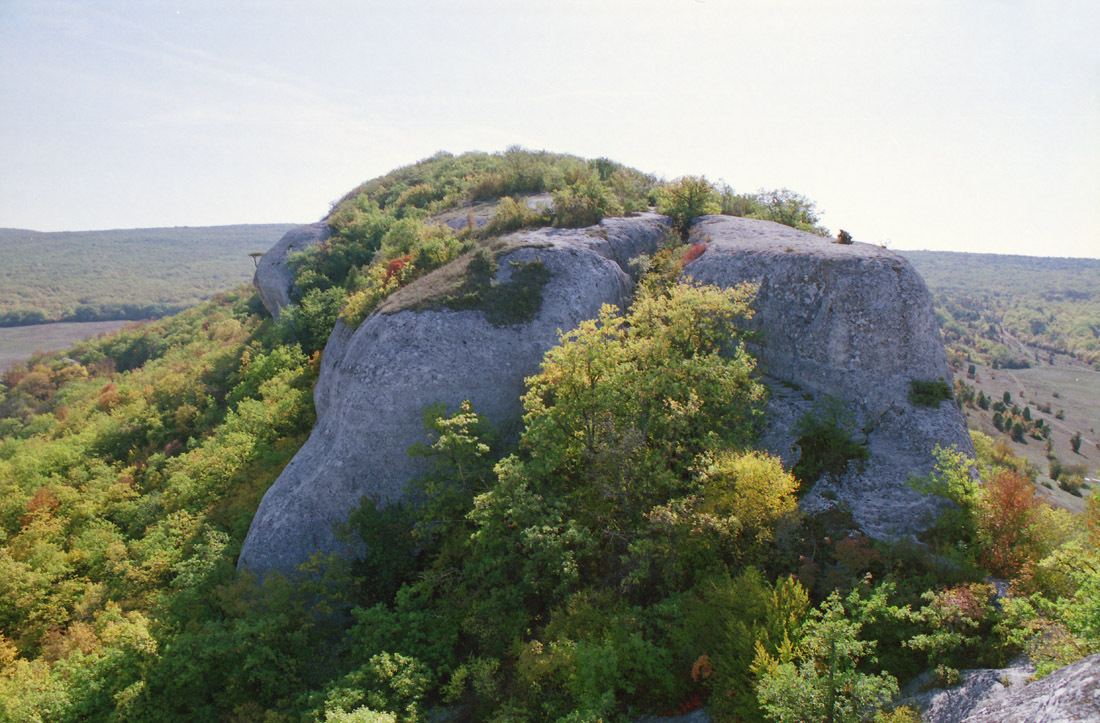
(852,323)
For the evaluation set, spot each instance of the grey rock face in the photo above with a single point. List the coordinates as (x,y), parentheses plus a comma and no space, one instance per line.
(1068,695)
(272,278)
(854,322)
(976,688)
(376,380)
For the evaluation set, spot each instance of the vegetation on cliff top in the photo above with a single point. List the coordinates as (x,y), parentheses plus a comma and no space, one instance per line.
(389,232)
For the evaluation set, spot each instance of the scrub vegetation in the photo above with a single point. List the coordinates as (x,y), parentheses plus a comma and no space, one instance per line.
(632,553)
(390,231)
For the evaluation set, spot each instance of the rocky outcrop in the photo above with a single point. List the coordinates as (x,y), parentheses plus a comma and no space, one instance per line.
(1068,695)
(376,379)
(272,279)
(850,321)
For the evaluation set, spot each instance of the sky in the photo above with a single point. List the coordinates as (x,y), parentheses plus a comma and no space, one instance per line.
(957,125)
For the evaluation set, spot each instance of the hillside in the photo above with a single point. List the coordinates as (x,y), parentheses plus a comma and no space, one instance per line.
(1027,327)
(994,305)
(122,274)
(633,546)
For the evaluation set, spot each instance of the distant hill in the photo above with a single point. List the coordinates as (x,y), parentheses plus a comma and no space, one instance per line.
(124,273)
(1004,275)
(989,305)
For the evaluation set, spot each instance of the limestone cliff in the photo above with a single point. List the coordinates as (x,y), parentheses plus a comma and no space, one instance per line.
(850,321)
(376,380)
(853,322)
(273,279)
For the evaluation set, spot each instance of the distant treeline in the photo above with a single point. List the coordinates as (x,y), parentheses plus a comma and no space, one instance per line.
(90,312)
(126,274)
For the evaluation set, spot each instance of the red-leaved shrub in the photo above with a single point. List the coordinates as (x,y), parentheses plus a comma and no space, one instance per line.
(1010,508)
(693,253)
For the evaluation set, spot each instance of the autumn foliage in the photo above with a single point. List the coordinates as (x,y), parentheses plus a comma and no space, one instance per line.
(1008,512)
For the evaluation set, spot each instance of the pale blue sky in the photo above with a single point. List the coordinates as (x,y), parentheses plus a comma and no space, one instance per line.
(949,125)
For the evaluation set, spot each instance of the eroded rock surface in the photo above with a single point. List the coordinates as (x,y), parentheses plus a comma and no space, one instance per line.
(1068,695)
(273,279)
(854,322)
(376,380)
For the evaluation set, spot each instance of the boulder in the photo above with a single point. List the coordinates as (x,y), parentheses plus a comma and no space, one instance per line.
(1069,694)
(853,322)
(376,380)
(273,279)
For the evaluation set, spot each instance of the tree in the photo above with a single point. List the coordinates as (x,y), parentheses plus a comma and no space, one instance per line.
(821,681)
(790,209)
(687,198)
(1075,442)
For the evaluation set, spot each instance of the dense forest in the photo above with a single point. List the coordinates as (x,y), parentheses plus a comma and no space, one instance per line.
(632,553)
(122,274)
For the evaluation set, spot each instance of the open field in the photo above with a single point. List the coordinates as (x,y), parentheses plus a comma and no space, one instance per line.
(1030,327)
(1069,388)
(20,342)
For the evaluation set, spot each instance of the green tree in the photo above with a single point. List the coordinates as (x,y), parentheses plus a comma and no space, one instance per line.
(1075,442)
(790,209)
(821,680)
(687,198)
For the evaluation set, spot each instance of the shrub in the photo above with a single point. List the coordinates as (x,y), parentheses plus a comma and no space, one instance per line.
(512,215)
(955,480)
(725,621)
(788,208)
(825,442)
(929,393)
(311,321)
(694,251)
(686,199)
(583,204)
(959,622)
(843,237)
(819,680)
